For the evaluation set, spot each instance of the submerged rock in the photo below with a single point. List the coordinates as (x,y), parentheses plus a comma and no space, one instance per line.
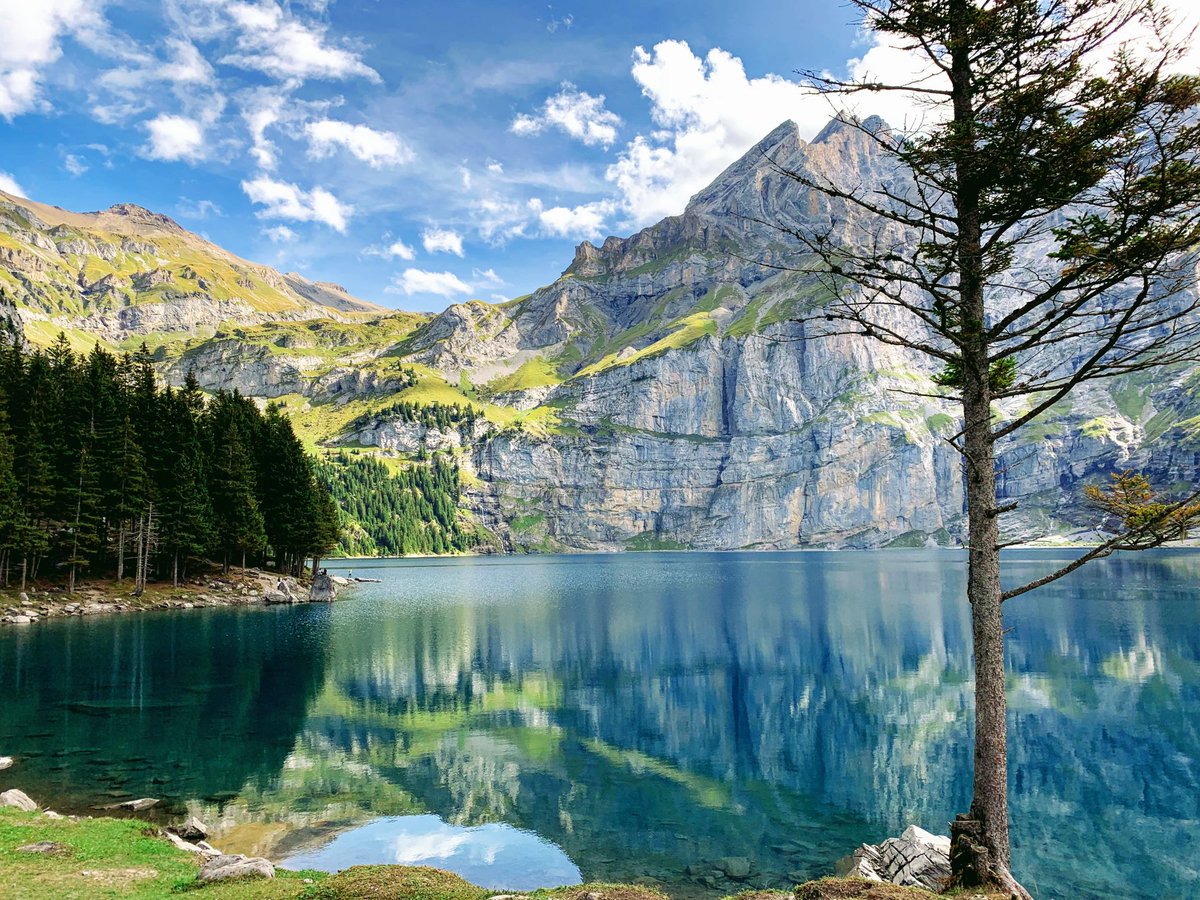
(915,859)
(219,868)
(131,805)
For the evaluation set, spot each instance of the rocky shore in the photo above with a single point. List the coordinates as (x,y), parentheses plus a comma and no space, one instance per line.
(248,588)
(63,854)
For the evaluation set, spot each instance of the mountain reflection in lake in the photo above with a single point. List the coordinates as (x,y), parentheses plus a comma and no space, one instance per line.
(649,714)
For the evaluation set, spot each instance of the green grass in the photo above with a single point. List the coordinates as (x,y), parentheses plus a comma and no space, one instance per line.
(115,858)
(691,329)
(533,373)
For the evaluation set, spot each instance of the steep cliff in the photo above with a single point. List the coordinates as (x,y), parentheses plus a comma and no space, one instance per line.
(663,392)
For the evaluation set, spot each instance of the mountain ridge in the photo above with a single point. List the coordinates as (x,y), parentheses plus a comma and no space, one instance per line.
(665,391)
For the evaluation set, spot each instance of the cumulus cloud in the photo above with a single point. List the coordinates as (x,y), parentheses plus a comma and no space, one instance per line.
(282,200)
(33,35)
(9,185)
(583,221)
(173,138)
(708,113)
(442,240)
(273,41)
(376,148)
(419,281)
(574,112)
(280,234)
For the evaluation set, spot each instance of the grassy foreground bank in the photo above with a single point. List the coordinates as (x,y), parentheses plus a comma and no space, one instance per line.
(128,858)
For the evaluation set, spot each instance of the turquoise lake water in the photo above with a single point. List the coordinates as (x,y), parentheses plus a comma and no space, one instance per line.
(541,720)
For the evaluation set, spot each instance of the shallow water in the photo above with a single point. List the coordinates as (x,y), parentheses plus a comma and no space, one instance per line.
(638,715)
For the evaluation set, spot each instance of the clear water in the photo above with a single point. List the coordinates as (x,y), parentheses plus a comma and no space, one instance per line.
(539,720)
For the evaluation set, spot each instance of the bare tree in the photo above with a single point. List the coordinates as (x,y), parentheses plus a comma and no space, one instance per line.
(1037,234)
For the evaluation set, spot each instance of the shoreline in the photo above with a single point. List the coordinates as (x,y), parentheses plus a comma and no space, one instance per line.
(252,587)
(70,855)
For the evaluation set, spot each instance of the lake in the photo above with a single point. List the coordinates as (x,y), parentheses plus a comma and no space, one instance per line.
(534,721)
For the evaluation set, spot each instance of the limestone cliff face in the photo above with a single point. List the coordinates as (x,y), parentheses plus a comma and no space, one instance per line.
(697,412)
(663,392)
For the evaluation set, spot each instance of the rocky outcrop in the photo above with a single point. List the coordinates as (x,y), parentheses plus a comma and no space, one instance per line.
(323,589)
(225,867)
(915,859)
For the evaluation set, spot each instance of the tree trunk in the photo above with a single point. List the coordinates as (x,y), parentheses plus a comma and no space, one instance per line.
(175,569)
(121,550)
(24,570)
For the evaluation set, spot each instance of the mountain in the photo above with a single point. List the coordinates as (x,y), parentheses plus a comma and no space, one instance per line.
(659,394)
(129,274)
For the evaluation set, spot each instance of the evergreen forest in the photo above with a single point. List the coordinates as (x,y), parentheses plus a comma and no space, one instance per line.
(385,514)
(104,472)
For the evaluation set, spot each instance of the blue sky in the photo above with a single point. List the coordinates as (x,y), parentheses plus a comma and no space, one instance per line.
(419,153)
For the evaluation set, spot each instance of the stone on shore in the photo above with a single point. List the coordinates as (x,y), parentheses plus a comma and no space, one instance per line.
(6,762)
(48,848)
(191,830)
(915,859)
(19,799)
(323,589)
(220,868)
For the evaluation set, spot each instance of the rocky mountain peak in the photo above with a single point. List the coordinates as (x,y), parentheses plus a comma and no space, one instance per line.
(136,215)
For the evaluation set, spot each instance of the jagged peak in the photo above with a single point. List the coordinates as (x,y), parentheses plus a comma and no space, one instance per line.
(839,126)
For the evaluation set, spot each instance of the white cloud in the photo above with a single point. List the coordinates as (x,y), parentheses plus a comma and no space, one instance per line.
(487,277)
(495,168)
(418,281)
(75,165)
(497,219)
(376,148)
(395,250)
(280,234)
(583,221)
(9,185)
(442,240)
(184,65)
(400,250)
(575,113)
(708,113)
(174,138)
(197,209)
(32,40)
(287,201)
(273,41)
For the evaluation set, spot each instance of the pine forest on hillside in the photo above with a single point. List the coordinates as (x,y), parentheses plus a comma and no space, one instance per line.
(104,472)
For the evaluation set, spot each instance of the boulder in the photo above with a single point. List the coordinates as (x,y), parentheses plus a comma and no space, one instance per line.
(278,597)
(192,830)
(5,762)
(19,799)
(48,848)
(323,589)
(220,868)
(915,859)
(23,598)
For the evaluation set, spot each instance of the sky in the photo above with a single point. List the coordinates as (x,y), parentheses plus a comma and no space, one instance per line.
(418,153)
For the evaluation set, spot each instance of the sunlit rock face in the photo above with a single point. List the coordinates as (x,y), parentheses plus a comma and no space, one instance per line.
(672,389)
